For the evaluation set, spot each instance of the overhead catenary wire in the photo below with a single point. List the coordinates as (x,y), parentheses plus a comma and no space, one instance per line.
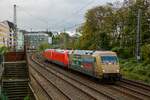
(73,26)
(40,20)
(62,21)
(75,13)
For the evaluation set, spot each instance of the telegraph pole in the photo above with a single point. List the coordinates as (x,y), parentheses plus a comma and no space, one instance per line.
(138,36)
(15,25)
(65,42)
(15,15)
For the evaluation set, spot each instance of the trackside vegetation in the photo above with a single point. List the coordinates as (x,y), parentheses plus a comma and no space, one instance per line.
(4,49)
(114,28)
(135,71)
(43,46)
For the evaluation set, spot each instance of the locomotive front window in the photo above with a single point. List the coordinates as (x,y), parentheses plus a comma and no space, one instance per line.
(109,59)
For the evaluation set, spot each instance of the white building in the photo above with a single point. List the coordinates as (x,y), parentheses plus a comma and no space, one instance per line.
(50,40)
(20,40)
(7,34)
(33,40)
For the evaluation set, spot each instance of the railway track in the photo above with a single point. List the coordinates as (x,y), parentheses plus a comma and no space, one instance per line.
(137,84)
(131,91)
(79,90)
(42,86)
(93,90)
(48,87)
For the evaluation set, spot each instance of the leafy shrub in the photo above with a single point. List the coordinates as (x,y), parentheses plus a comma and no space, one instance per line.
(43,46)
(4,49)
(123,52)
(146,53)
(136,71)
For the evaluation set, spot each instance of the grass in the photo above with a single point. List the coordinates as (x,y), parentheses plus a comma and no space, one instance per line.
(136,71)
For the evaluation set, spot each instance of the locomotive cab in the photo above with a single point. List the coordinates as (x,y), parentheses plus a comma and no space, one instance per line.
(107,65)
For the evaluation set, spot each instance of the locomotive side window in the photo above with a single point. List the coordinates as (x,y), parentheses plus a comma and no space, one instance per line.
(88,60)
(109,59)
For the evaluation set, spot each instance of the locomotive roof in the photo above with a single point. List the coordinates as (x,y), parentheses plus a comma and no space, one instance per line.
(84,52)
(105,52)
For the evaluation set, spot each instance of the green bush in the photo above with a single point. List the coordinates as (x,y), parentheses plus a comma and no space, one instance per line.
(148,74)
(4,49)
(43,46)
(146,53)
(26,98)
(124,53)
(135,71)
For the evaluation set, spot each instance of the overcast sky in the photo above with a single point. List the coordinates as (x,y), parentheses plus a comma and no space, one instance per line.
(48,14)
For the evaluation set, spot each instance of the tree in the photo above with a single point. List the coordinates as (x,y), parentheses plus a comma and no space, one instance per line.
(146,52)
(44,46)
(108,27)
(3,50)
(95,31)
(62,40)
(50,34)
